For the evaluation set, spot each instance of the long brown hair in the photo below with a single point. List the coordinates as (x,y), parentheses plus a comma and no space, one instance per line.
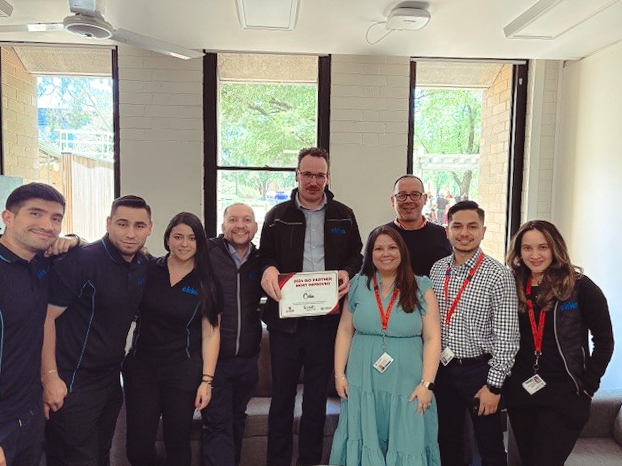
(558,279)
(404,278)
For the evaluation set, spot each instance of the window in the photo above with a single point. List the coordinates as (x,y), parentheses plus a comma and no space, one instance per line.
(58,128)
(461,145)
(267,110)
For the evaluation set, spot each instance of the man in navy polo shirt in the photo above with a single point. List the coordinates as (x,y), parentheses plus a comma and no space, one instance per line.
(33,219)
(94,294)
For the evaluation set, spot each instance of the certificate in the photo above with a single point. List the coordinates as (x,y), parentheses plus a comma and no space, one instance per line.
(308,294)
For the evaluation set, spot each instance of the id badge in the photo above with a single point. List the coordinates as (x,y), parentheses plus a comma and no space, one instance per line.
(383,362)
(534,384)
(446,356)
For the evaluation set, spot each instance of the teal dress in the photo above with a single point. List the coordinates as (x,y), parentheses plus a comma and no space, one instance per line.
(377,425)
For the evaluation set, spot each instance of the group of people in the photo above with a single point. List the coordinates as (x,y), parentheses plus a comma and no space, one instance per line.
(420,294)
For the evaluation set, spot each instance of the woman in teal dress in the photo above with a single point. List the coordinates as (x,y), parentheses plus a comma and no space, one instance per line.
(389,336)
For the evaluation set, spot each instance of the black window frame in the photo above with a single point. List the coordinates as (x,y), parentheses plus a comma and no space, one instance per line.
(516,152)
(210,131)
(115,114)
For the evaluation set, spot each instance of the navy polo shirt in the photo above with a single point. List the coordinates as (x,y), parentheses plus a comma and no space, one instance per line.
(101,292)
(23,304)
(169,320)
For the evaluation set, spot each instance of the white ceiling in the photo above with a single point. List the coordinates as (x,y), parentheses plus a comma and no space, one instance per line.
(458,28)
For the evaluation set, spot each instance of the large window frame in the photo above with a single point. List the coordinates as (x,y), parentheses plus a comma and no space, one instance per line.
(210,129)
(516,152)
(115,110)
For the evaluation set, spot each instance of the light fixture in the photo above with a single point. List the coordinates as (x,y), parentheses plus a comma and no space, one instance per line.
(549,19)
(268,14)
(6,9)
(406,16)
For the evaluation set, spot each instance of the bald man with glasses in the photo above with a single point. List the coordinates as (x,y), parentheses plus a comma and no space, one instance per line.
(426,241)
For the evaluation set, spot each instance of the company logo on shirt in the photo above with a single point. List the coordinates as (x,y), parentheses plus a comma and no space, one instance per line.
(141,281)
(339,231)
(42,273)
(190,290)
(254,276)
(569,306)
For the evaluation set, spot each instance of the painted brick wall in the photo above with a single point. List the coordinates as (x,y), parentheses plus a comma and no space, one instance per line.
(496,103)
(541,139)
(19,107)
(161,120)
(369,132)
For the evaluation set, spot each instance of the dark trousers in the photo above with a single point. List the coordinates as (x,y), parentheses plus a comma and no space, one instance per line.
(311,347)
(455,388)
(154,389)
(22,438)
(80,432)
(547,425)
(224,418)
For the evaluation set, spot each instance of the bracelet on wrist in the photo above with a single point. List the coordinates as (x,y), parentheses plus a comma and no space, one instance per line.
(342,377)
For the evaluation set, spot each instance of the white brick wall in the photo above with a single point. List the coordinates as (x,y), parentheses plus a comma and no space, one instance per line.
(540,150)
(160,109)
(369,132)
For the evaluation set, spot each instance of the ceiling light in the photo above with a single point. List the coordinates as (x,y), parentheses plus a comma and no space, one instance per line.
(268,14)
(549,19)
(6,9)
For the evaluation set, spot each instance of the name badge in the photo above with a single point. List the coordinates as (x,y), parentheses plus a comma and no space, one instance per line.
(383,362)
(534,384)
(447,355)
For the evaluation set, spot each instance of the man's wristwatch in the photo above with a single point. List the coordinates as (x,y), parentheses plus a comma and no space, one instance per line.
(428,385)
(494,390)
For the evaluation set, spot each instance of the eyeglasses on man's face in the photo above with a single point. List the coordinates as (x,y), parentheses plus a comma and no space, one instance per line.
(415,196)
(308,176)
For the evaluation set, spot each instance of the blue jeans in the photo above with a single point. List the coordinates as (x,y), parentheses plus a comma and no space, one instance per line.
(22,438)
(224,418)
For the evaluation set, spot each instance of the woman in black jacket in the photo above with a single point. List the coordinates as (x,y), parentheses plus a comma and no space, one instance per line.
(554,377)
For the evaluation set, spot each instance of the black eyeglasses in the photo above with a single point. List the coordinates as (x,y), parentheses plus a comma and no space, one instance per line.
(415,196)
(320,177)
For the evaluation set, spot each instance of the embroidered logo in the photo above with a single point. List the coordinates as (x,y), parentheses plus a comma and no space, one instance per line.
(42,273)
(339,231)
(190,290)
(141,281)
(253,276)
(569,306)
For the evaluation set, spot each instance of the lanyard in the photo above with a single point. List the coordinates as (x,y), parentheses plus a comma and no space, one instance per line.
(467,280)
(537,332)
(384,316)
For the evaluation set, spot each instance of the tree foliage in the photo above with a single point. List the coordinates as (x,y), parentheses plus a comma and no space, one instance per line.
(265,125)
(76,103)
(448,121)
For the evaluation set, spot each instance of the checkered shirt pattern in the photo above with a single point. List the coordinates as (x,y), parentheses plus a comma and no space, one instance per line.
(486,318)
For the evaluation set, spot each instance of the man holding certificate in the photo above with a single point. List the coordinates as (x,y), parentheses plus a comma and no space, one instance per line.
(310,233)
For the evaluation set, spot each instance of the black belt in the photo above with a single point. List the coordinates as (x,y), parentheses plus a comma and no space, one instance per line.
(468,361)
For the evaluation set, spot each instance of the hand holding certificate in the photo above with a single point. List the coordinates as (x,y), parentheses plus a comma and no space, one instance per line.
(308,294)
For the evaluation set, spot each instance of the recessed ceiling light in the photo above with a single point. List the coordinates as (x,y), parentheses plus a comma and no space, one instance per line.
(549,19)
(268,14)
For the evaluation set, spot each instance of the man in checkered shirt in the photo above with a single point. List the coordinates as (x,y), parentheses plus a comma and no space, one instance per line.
(479,331)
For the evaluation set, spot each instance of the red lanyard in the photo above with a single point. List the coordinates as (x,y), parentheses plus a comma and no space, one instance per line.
(384,316)
(467,280)
(538,331)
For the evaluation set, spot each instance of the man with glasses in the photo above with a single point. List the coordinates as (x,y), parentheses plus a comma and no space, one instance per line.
(426,241)
(309,233)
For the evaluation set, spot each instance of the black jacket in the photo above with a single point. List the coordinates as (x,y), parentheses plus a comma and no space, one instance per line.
(240,324)
(282,246)
(585,310)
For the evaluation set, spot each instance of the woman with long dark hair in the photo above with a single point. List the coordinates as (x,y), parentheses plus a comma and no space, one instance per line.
(555,375)
(389,338)
(169,369)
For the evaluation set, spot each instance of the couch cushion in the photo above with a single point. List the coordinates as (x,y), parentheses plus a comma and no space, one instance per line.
(604,410)
(595,451)
(617,428)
